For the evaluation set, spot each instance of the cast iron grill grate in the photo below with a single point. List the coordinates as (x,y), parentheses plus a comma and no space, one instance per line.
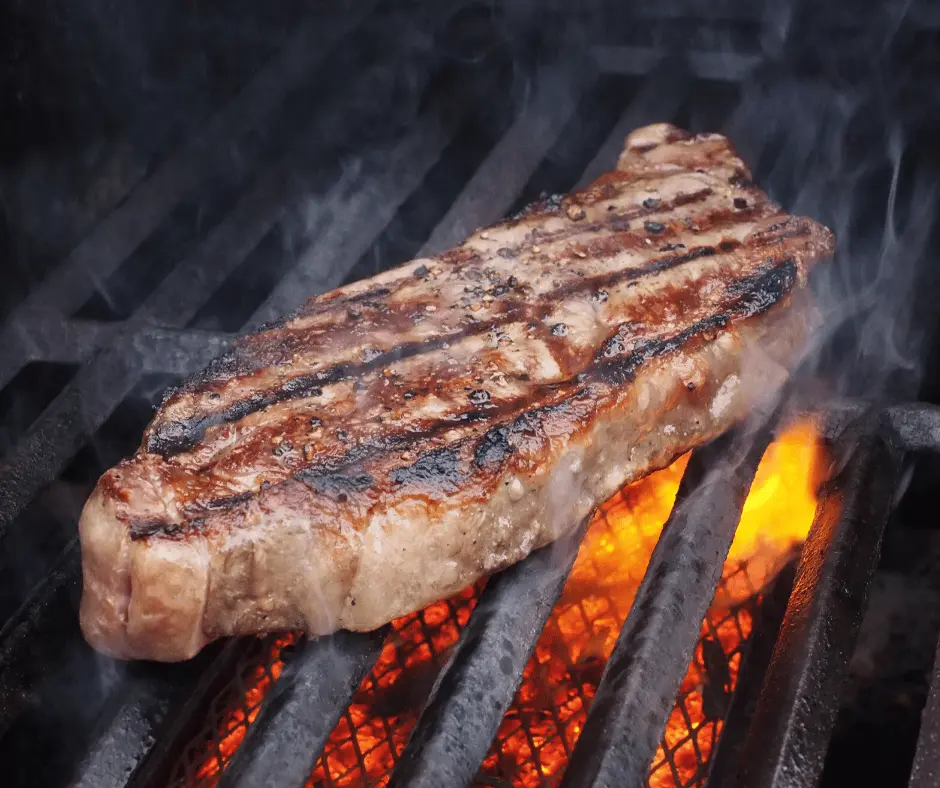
(139,717)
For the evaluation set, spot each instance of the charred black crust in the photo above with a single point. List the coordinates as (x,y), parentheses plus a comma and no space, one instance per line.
(493,448)
(549,204)
(751,296)
(336,484)
(228,365)
(140,529)
(229,501)
(436,471)
(378,292)
(278,322)
(758,293)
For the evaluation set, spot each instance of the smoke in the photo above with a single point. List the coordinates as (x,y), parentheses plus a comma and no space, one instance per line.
(838,121)
(835,130)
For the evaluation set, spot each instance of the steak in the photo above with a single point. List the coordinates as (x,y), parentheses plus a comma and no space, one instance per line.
(398,438)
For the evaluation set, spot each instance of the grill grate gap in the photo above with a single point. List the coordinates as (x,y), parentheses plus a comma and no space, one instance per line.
(709,107)
(245,290)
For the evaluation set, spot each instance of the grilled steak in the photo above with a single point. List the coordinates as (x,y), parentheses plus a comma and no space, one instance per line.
(396,439)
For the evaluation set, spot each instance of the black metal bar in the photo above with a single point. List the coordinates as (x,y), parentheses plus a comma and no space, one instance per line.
(33,637)
(302,709)
(93,259)
(499,181)
(476,687)
(925,772)
(181,727)
(793,722)
(754,665)
(723,66)
(148,698)
(642,677)
(915,425)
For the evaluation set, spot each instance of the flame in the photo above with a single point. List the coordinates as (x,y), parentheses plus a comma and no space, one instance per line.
(237,719)
(538,733)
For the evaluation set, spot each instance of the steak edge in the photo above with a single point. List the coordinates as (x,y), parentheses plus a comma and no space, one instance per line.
(396,439)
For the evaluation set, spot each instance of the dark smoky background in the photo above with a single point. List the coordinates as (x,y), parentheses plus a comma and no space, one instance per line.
(836,107)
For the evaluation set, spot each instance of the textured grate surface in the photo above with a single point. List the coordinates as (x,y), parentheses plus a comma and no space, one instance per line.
(269,202)
(232,711)
(374,730)
(381,714)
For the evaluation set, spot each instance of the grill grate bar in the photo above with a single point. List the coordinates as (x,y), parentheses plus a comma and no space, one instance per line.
(499,181)
(476,687)
(134,726)
(718,66)
(351,222)
(914,426)
(645,670)
(792,724)
(925,772)
(298,716)
(74,280)
(727,751)
(658,98)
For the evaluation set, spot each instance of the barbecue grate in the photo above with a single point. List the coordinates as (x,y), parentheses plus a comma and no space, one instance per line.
(105,340)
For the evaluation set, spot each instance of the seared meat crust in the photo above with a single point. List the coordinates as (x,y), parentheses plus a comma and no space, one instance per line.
(397,438)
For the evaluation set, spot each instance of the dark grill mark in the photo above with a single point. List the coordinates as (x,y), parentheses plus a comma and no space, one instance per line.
(336,484)
(175,437)
(754,296)
(140,529)
(435,471)
(338,477)
(493,447)
(228,501)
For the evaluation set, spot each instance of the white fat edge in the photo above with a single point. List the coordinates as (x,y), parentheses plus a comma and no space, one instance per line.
(725,396)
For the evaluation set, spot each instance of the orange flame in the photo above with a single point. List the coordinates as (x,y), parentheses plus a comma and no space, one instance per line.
(538,733)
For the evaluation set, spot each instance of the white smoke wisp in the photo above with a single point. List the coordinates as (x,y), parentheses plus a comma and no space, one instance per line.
(835,137)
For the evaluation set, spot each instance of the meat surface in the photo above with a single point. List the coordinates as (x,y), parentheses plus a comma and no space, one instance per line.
(396,439)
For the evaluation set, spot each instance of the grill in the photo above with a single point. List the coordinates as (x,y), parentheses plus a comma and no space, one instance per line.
(347,151)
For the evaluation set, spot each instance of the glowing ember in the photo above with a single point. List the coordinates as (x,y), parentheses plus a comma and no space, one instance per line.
(373,731)
(539,731)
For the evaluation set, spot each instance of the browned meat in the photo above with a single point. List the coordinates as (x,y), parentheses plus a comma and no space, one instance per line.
(398,438)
